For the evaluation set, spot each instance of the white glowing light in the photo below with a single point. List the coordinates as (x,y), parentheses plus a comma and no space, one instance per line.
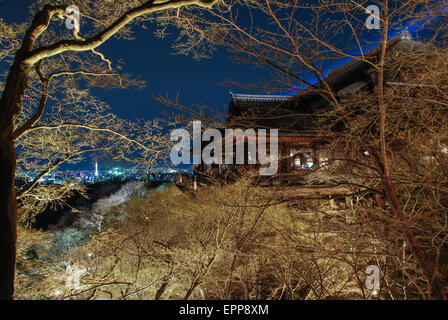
(96,169)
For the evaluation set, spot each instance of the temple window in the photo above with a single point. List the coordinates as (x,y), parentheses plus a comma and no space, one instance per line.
(301,160)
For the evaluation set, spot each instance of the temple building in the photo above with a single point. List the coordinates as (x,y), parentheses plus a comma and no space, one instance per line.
(298,140)
(295,117)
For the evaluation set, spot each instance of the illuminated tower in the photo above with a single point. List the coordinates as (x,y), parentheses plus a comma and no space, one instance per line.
(96,169)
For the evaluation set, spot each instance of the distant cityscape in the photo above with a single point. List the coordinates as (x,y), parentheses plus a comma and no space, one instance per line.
(98,174)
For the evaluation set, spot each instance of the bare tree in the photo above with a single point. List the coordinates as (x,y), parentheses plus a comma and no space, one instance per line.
(275,35)
(40,47)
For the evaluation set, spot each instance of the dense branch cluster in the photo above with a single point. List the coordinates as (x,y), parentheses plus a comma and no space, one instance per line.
(234,241)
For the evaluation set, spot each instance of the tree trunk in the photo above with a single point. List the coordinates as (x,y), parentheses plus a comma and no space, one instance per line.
(10,105)
(8,218)
(429,269)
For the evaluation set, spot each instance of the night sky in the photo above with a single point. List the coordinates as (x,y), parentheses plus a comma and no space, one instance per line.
(153,60)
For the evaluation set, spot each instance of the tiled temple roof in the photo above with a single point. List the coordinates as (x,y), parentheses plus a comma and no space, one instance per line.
(258,97)
(299,112)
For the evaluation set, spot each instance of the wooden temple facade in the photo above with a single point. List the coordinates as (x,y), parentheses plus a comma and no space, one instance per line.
(299,141)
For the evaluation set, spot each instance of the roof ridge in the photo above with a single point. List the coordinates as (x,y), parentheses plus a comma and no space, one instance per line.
(259,97)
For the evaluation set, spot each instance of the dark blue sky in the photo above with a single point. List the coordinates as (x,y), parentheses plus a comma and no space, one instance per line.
(165,73)
(153,61)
